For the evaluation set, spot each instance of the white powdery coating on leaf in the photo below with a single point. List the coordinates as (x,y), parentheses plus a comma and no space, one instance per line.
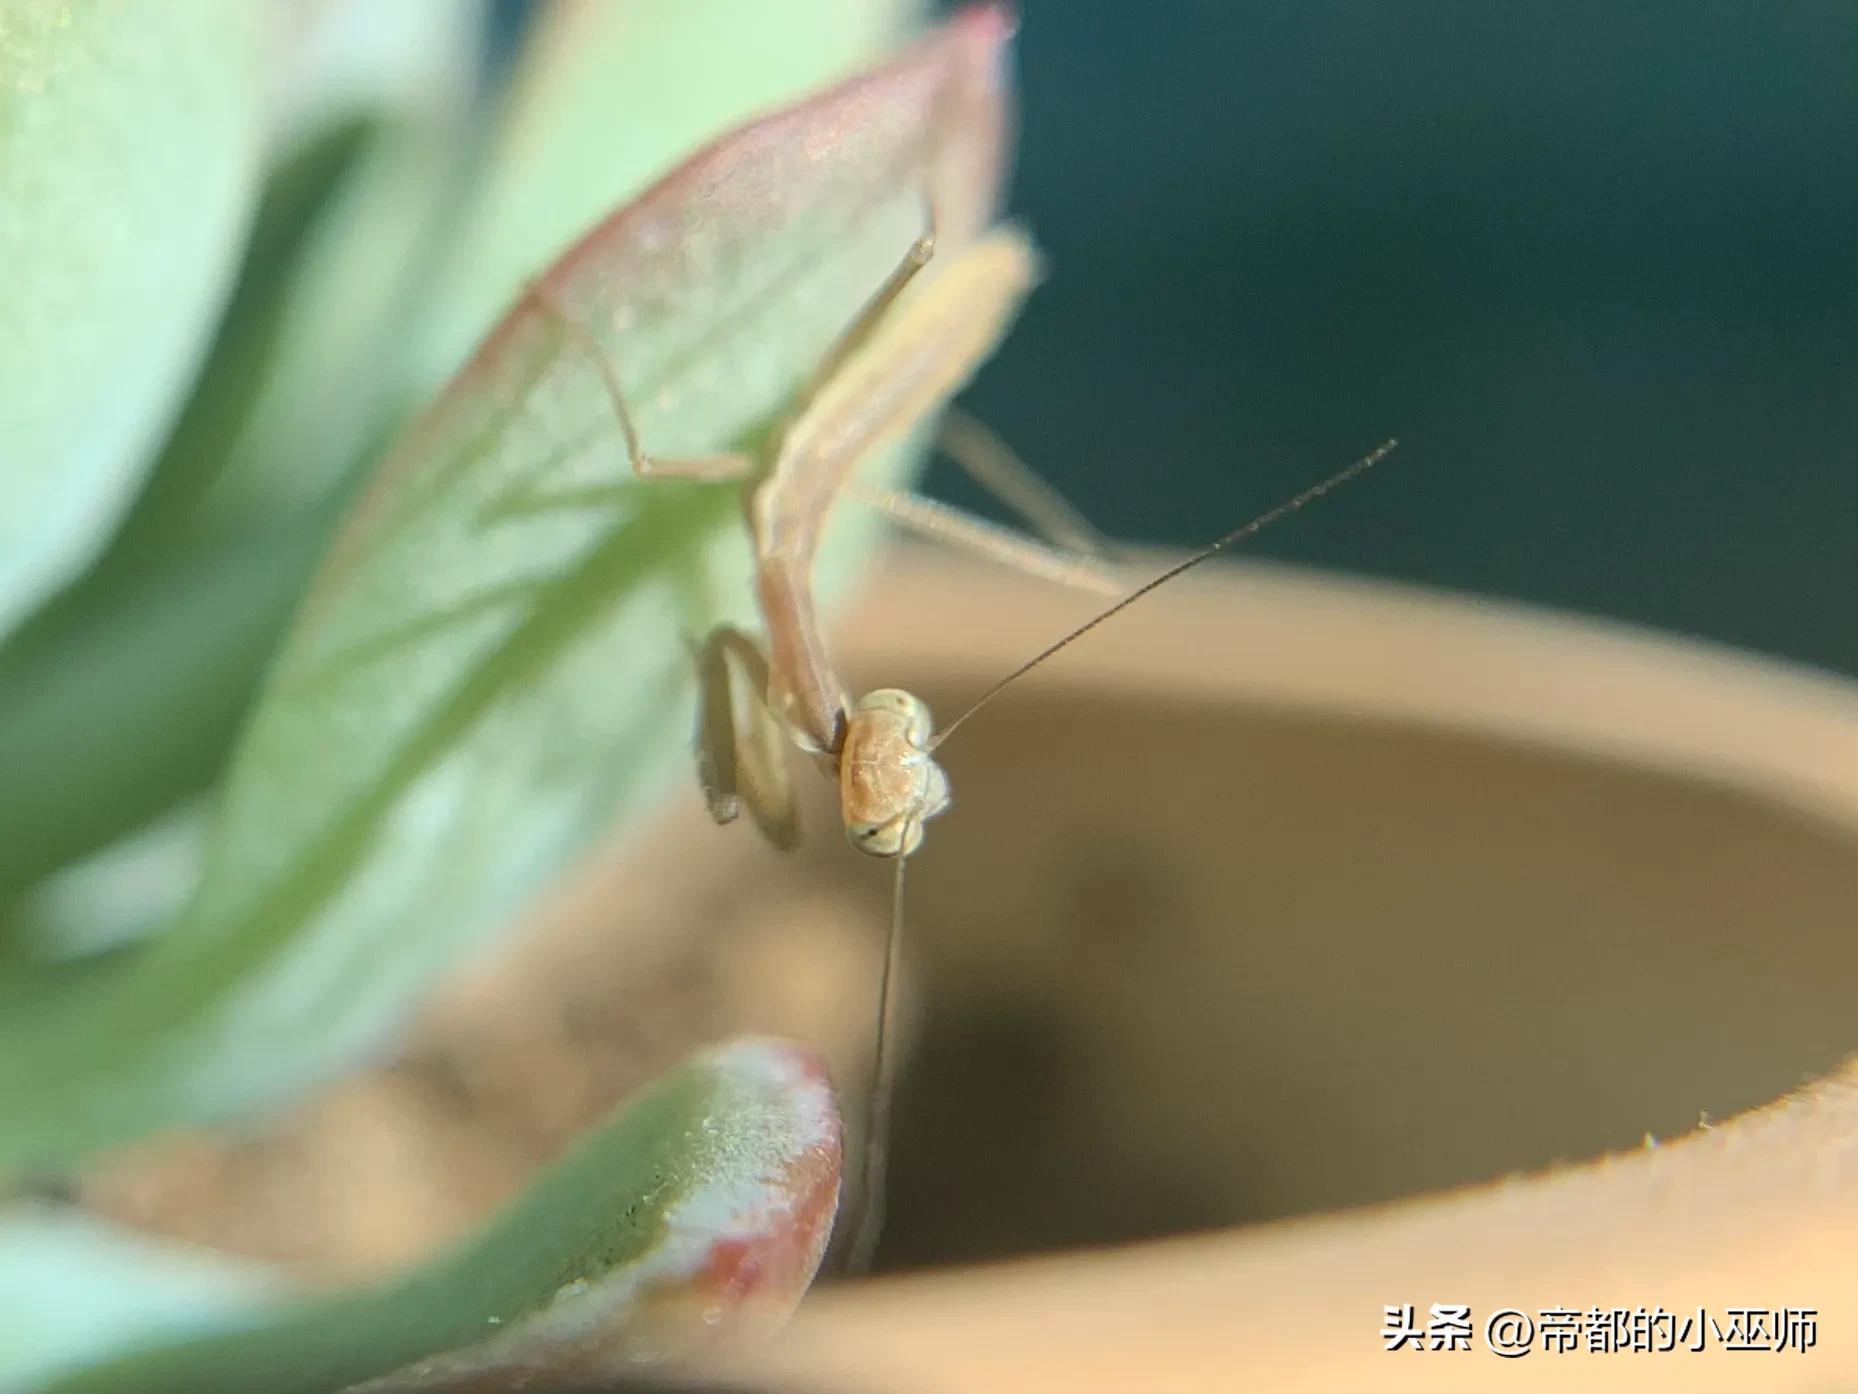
(777,1108)
(771,1124)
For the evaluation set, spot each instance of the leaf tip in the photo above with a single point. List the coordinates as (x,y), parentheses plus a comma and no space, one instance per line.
(769,1250)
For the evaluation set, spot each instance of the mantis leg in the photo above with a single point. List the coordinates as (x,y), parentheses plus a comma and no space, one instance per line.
(991,463)
(724,467)
(742,754)
(928,518)
(871,317)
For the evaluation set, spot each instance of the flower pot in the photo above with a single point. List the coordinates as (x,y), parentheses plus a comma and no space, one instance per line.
(1282,895)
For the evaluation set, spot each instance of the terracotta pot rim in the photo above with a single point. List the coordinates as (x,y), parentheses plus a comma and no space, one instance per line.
(1380,650)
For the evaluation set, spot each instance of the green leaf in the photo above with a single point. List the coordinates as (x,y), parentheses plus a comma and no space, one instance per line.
(129,140)
(76,1289)
(101,905)
(493,663)
(192,596)
(697,1215)
(122,695)
(327,381)
(607,98)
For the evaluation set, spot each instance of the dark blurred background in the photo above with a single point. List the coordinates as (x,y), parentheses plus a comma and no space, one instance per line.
(1594,263)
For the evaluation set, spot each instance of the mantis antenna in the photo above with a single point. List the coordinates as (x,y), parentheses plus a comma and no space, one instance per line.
(883,1083)
(883,1093)
(1212,549)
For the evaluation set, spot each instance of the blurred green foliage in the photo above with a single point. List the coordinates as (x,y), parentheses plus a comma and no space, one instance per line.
(242,243)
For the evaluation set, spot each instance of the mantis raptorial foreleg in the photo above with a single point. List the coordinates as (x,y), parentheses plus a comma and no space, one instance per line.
(741,747)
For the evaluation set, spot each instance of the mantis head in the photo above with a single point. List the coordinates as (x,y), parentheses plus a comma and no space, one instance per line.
(889,783)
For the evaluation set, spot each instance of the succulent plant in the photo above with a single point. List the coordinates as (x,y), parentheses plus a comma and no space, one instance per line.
(324,644)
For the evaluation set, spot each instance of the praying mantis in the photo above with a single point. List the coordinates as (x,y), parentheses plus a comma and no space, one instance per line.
(901,358)
(911,347)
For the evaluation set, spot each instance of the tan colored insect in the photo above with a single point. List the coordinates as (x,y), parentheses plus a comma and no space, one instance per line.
(910,349)
(900,359)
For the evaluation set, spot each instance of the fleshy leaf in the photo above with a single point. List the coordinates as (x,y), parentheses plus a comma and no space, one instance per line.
(493,663)
(107,301)
(118,697)
(607,97)
(192,596)
(697,1216)
(326,382)
(75,1290)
